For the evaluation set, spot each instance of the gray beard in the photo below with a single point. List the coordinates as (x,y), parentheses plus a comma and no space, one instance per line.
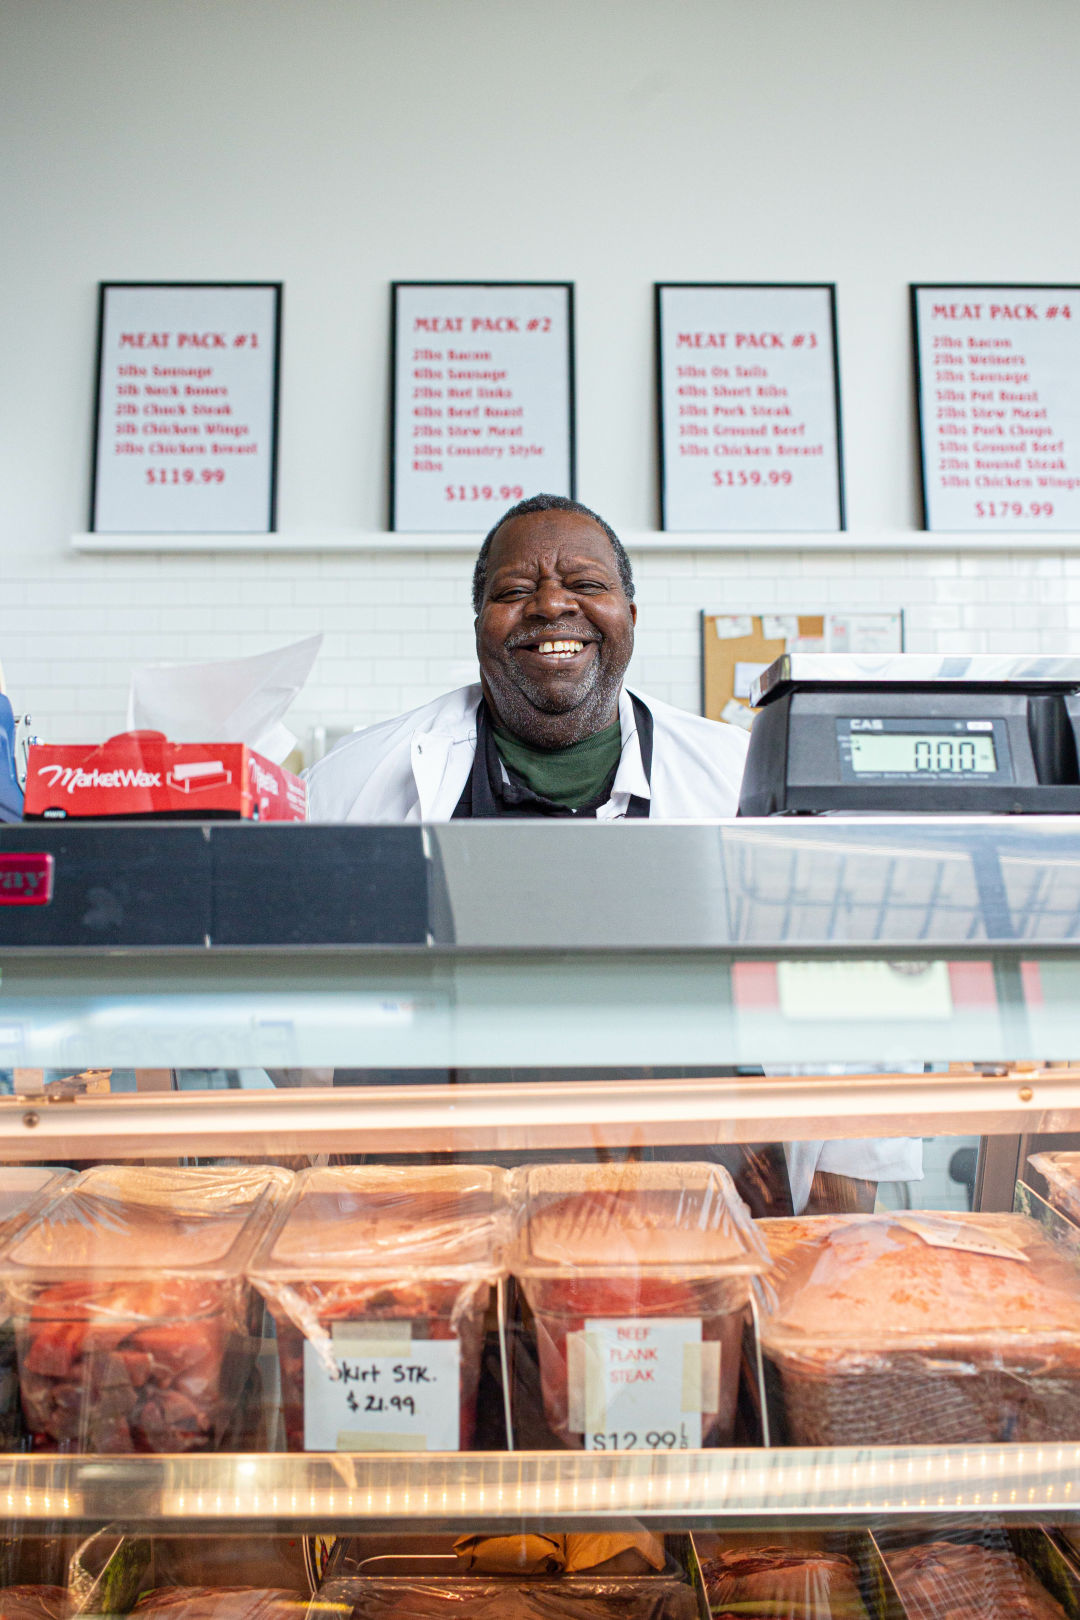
(524,710)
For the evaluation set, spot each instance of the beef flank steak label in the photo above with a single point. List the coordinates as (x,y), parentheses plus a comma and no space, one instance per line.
(749,408)
(999,407)
(185,441)
(483,411)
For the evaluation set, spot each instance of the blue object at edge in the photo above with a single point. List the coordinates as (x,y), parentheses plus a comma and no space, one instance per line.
(11,797)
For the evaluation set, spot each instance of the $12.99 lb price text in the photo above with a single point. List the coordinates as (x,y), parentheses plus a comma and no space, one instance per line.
(651,1440)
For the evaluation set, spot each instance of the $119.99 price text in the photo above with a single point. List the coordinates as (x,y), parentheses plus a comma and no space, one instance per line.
(185,475)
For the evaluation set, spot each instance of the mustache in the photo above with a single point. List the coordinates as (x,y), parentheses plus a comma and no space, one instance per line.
(554,632)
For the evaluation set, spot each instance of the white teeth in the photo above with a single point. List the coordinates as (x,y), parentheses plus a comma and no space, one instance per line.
(566,649)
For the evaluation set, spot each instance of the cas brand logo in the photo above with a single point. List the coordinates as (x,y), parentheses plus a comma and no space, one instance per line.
(70,777)
(868,725)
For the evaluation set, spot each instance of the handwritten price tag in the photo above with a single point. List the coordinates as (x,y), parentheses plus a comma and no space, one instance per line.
(383,1396)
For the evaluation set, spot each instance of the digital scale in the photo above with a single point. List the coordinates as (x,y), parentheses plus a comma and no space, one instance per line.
(914,732)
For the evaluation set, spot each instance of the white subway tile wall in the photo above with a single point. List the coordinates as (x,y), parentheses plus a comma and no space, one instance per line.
(398,629)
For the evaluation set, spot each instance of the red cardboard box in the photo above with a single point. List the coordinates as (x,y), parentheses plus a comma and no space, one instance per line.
(141,773)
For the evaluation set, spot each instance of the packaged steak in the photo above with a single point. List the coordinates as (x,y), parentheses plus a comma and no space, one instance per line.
(222,1603)
(131,1309)
(910,1328)
(379,1278)
(637,1276)
(1061,1172)
(947,1580)
(565,1597)
(23,1189)
(788,1582)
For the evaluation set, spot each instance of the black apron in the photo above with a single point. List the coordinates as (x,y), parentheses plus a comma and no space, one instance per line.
(486,796)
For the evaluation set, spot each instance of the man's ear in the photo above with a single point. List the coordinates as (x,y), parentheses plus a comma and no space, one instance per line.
(633,613)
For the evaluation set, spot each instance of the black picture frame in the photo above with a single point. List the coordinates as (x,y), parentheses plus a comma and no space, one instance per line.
(277,288)
(395,288)
(829,287)
(914,289)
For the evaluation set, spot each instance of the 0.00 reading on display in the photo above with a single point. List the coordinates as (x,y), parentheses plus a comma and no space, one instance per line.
(935,755)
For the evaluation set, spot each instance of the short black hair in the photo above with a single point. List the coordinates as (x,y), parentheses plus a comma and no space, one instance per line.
(550,503)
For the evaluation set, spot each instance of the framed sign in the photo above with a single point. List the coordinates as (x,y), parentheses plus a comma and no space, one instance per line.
(185,431)
(749,408)
(483,406)
(998,388)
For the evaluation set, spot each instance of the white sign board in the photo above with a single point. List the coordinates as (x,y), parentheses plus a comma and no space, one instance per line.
(749,409)
(999,407)
(643,1379)
(186,409)
(383,1394)
(483,401)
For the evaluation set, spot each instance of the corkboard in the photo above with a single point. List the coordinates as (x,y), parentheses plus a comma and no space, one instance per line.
(725,655)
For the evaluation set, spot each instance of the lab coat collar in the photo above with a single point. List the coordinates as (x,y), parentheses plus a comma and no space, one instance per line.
(442,757)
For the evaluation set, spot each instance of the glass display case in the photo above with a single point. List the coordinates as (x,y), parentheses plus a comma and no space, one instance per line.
(618,1219)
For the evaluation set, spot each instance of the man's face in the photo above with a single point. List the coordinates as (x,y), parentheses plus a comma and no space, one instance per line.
(555,630)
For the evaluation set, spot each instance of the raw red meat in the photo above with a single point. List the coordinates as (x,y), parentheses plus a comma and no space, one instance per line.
(102,1372)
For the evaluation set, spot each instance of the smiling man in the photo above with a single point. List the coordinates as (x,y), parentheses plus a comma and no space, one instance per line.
(551,730)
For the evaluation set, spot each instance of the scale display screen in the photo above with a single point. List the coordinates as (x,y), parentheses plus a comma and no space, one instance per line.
(914,753)
(920,749)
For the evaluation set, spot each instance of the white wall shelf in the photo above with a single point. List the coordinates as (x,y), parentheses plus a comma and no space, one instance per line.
(656,540)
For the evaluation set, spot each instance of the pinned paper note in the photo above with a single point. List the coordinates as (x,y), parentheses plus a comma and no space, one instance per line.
(943,1233)
(240,700)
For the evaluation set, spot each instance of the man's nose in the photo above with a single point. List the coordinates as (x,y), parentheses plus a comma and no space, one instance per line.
(551,600)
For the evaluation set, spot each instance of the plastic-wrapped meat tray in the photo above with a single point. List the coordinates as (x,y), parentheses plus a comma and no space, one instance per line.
(782,1581)
(606,1255)
(221,1603)
(35,1603)
(945,1580)
(1061,1172)
(23,1189)
(368,1268)
(131,1309)
(568,1597)
(922,1328)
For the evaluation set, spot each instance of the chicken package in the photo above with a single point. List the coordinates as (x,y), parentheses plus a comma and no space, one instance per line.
(35,1603)
(131,1310)
(565,1597)
(1061,1172)
(748,1577)
(222,1603)
(638,1279)
(909,1328)
(379,1278)
(23,1190)
(948,1580)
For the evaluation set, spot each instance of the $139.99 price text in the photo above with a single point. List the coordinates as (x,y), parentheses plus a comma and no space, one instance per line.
(484,492)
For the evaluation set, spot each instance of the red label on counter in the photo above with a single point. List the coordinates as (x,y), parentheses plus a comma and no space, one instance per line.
(26,880)
(141,773)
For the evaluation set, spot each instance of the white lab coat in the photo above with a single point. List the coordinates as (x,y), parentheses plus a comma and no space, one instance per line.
(414,768)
